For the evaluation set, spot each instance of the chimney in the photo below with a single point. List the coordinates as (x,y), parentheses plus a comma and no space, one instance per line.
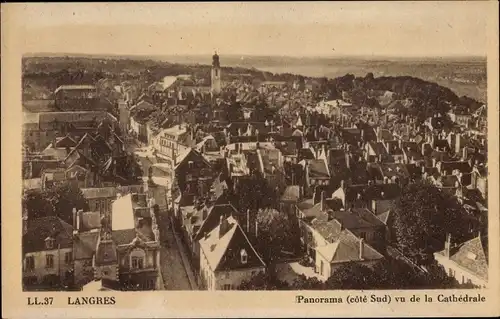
(256,228)
(248,220)
(464,154)
(75,229)
(323,201)
(447,245)
(361,248)
(78,219)
(223,227)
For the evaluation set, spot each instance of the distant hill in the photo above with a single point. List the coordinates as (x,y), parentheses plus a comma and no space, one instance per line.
(464,76)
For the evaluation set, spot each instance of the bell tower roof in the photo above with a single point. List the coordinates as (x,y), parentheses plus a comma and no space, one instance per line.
(215,60)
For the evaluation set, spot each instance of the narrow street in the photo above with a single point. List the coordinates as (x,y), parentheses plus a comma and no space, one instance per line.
(175,271)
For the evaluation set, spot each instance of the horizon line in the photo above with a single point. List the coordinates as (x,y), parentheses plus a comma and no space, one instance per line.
(346,55)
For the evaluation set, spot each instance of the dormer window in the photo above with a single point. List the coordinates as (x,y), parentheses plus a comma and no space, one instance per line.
(49,243)
(244,256)
(190,164)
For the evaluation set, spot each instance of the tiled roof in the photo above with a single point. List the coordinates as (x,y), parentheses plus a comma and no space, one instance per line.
(344,245)
(213,218)
(472,256)
(124,236)
(222,250)
(378,148)
(373,192)
(318,169)
(85,245)
(45,227)
(99,192)
(291,194)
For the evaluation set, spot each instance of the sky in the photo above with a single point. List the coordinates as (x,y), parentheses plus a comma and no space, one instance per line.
(257,28)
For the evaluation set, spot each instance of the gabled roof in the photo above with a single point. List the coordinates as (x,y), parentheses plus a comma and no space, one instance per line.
(214,214)
(187,153)
(472,255)
(318,169)
(47,227)
(223,252)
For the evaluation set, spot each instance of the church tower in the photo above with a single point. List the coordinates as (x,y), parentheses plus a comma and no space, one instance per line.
(216,76)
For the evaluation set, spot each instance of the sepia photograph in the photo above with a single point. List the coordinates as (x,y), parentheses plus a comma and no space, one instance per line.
(255,146)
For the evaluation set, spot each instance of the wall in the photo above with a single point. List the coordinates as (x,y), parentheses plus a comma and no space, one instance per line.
(235,277)
(83,271)
(460,274)
(40,270)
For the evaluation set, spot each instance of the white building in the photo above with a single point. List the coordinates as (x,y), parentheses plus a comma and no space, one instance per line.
(227,257)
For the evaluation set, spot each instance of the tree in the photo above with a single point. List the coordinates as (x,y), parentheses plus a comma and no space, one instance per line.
(254,193)
(352,275)
(276,233)
(36,205)
(63,198)
(423,216)
(307,283)
(57,201)
(263,281)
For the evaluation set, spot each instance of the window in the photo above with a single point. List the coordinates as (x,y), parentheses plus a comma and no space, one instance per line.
(191,164)
(30,263)
(189,177)
(49,243)
(226,287)
(49,261)
(137,263)
(105,273)
(362,235)
(244,256)
(68,258)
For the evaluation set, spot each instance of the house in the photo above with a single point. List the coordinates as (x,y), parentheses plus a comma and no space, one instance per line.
(193,174)
(317,173)
(86,228)
(480,179)
(100,198)
(60,147)
(460,117)
(172,142)
(376,197)
(227,257)
(76,98)
(47,253)
(43,128)
(330,243)
(467,262)
(128,249)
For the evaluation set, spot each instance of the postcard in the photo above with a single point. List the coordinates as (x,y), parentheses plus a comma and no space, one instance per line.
(250,159)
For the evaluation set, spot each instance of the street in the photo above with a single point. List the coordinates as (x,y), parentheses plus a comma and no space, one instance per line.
(173,266)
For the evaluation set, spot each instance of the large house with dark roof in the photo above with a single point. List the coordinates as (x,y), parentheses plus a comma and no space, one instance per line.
(47,253)
(227,257)
(338,237)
